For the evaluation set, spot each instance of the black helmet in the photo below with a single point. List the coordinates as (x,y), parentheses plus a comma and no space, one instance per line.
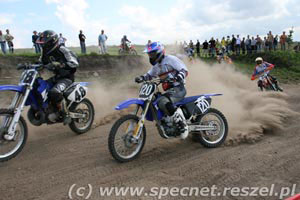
(48,40)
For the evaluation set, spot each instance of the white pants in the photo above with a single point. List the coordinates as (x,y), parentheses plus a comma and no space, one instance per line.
(102,48)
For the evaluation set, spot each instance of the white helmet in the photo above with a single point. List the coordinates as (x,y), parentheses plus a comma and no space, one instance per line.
(259,59)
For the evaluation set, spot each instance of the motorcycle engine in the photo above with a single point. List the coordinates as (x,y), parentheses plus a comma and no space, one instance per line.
(52,117)
(36,117)
(171,129)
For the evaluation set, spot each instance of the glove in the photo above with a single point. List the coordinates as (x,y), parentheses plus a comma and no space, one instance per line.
(157,81)
(139,79)
(50,67)
(57,64)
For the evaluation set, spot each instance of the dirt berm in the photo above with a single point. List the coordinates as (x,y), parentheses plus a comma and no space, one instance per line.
(103,65)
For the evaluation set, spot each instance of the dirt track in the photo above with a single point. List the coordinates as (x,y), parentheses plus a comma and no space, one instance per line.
(55,158)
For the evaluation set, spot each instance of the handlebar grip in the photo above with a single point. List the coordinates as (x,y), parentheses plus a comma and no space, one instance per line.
(50,67)
(21,66)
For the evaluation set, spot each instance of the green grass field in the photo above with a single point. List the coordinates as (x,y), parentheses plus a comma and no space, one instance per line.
(112,50)
(289,74)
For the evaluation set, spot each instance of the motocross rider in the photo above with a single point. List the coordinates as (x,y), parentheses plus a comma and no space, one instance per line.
(124,41)
(260,68)
(64,63)
(172,71)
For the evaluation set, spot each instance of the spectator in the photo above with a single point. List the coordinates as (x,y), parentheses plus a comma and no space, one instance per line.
(297,48)
(82,42)
(233,43)
(265,43)
(101,42)
(185,45)
(36,46)
(238,45)
(228,42)
(275,42)
(149,42)
(61,40)
(2,43)
(270,41)
(258,43)
(198,48)
(218,46)
(243,46)
(205,48)
(248,45)
(283,39)
(223,43)
(9,38)
(191,44)
(212,45)
(253,45)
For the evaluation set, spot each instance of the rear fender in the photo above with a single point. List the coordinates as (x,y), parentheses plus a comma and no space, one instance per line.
(211,95)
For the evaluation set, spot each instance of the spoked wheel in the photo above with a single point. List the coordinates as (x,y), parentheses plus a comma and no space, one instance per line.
(121,52)
(132,52)
(82,125)
(212,138)
(9,149)
(122,145)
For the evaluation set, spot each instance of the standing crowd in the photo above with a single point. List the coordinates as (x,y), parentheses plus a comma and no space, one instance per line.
(6,40)
(229,45)
(237,45)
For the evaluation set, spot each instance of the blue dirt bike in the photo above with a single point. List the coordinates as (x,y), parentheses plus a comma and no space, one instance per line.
(128,135)
(33,91)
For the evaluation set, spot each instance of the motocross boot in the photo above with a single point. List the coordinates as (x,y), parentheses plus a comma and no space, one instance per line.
(178,118)
(278,87)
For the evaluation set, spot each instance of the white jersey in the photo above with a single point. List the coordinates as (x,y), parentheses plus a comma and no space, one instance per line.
(169,68)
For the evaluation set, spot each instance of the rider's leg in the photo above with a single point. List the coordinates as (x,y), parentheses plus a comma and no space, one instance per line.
(56,93)
(166,102)
(260,84)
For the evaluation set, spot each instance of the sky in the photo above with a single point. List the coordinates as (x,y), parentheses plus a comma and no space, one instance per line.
(158,20)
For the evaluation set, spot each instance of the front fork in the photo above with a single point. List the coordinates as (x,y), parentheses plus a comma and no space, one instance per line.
(138,130)
(18,108)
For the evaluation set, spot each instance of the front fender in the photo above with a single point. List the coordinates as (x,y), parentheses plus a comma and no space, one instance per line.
(15,88)
(128,102)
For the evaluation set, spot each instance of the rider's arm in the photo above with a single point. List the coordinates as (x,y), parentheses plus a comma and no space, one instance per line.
(151,73)
(269,66)
(72,61)
(255,74)
(180,67)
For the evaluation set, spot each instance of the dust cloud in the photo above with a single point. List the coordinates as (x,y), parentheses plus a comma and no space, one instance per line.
(105,96)
(250,113)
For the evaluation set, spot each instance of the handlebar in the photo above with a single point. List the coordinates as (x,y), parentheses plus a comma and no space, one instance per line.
(157,81)
(37,67)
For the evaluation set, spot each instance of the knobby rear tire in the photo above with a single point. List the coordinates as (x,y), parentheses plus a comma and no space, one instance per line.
(73,126)
(198,136)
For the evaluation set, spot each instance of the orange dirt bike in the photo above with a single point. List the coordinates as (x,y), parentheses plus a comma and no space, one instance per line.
(130,50)
(269,83)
